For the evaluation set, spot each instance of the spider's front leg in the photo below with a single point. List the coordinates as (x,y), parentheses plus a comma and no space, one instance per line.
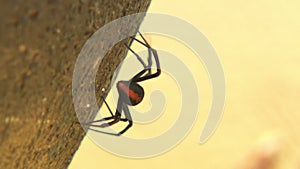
(149,52)
(139,58)
(140,76)
(149,61)
(145,43)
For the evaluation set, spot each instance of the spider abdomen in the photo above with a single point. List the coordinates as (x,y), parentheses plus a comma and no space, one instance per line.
(130,92)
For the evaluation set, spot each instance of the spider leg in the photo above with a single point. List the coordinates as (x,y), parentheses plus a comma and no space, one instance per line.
(149,59)
(145,43)
(139,74)
(141,60)
(149,75)
(116,118)
(143,38)
(139,77)
(106,125)
(103,119)
(108,118)
(149,62)
(137,56)
(107,106)
(149,49)
(103,132)
(128,117)
(123,119)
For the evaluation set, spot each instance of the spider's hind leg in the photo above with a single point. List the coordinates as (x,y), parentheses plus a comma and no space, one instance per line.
(128,117)
(103,119)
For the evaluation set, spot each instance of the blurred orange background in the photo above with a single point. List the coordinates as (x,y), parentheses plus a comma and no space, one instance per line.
(257,44)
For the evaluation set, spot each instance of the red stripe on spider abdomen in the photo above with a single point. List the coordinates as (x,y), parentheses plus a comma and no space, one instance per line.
(131,94)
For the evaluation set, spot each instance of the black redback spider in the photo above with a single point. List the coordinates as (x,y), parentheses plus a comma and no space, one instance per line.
(130,92)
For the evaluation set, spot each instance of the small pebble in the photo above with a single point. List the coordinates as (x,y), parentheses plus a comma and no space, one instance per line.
(28,73)
(58,30)
(22,48)
(6,120)
(44,99)
(63,46)
(32,13)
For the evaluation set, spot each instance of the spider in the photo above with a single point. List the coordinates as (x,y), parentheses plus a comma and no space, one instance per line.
(130,92)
